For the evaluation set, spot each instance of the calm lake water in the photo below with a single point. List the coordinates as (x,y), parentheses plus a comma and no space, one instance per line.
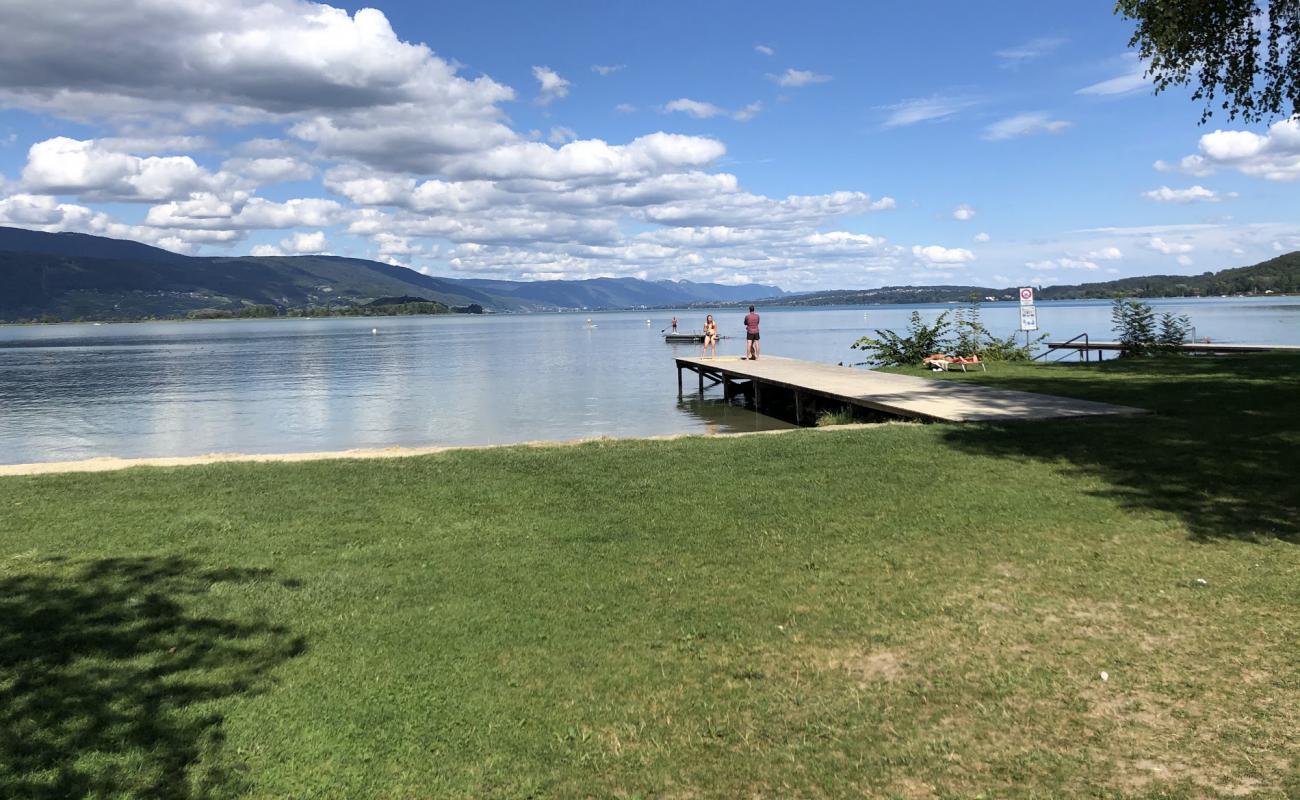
(274,386)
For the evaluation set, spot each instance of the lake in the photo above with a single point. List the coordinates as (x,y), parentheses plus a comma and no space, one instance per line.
(299,385)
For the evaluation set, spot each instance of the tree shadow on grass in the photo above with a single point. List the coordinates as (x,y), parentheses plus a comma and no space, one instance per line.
(110,682)
(1215,453)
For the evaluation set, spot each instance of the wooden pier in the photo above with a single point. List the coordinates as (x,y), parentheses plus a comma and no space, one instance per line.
(809,384)
(1086,346)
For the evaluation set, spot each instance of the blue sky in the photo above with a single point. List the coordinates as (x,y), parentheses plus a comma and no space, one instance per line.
(809,145)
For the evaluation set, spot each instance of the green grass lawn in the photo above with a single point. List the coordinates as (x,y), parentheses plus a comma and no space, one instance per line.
(906,610)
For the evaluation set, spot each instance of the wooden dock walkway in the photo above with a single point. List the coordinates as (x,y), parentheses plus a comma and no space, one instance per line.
(928,399)
(1187,347)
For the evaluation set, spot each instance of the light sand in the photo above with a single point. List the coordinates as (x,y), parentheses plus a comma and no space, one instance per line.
(109,463)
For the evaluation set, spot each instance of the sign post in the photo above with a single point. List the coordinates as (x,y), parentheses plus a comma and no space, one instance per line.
(1028,313)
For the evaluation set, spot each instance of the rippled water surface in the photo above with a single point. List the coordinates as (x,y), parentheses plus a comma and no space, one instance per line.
(184,388)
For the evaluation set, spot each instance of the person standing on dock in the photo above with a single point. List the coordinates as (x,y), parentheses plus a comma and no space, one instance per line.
(710,337)
(674,324)
(751,335)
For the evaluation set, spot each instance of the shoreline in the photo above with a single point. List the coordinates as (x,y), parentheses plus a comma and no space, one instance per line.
(114,464)
(710,306)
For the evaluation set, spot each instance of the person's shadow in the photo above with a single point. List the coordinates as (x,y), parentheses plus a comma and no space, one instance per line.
(108,679)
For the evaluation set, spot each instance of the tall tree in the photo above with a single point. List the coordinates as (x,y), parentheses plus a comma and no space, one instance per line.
(1241,55)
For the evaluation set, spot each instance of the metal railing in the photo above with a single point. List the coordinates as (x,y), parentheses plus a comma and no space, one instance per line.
(1085,352)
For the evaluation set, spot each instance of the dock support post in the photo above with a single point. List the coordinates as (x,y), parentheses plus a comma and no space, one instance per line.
(798,407)
(679,379)
(727,389)
(758,393)
(701,374)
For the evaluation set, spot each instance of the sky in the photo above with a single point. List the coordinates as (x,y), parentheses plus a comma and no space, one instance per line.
(807,145)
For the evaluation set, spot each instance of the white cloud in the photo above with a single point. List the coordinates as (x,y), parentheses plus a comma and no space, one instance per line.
(1188,165)
(1274,156)
(1168,248)
(798,77)
(764,50)
(345,82)
(625,108)
(1132,79)
(924,109)
(1106,254)
(388,244)
(981,237)
(1025,124)
(1186,261)
(652,154)
(553,87)
(208,212)
(695,108)
(704,110)
(70,166)
(1066,262)
(262,171)
(265,251)
(936,254)
(607,69)
(305,243)
(748,112)
(561,135)
(1191,194)
(1028,51)
(963,212)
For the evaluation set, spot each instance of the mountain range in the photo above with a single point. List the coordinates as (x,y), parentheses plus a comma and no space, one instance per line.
(64,276)
(67,276)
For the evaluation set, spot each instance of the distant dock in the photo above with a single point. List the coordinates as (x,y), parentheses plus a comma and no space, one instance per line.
(1083,345)
(808,385)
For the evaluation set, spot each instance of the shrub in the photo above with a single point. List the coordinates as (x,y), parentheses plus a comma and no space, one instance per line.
(1173,331)
(839,416)
(889,349)
(972,338)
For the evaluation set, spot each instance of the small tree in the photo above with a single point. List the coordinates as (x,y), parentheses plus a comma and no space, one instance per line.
(887,348)
(1173,331)
(1134,322)
(971,333)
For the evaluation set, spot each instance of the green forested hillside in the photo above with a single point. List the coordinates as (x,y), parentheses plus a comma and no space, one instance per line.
(61,276)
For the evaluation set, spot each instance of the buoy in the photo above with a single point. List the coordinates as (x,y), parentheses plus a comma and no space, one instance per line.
(374,330)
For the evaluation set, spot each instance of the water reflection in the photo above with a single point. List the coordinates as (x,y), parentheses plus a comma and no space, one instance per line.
(151,389)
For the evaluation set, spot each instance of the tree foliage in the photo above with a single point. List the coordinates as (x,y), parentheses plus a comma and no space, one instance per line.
(1243,55)
(889,348)
(968,337)
(1141,333)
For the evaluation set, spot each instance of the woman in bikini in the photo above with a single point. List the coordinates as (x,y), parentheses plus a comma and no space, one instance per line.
(710,337)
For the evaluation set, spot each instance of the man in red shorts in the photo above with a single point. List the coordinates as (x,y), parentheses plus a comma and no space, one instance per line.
(751,335)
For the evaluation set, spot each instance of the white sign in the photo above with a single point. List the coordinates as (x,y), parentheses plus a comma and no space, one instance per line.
(1027,296)
(1028,318)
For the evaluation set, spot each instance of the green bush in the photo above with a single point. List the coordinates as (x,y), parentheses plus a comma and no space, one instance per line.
(1139,332)
(887,348)
(972,338)
(839,416)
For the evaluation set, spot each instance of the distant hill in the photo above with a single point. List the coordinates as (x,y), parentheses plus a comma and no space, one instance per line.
(81,245)
(64,276)
(1279,275)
